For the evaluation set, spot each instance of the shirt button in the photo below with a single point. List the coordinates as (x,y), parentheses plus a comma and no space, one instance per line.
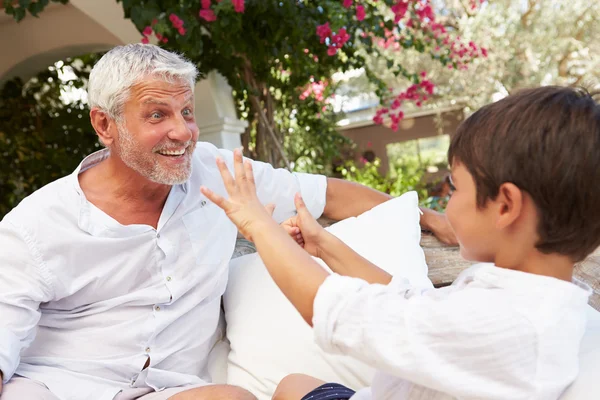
(158,235)
(147,349)
(168,279)
(157,308)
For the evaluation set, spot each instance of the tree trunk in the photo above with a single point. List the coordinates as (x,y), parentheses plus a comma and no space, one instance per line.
(269,142)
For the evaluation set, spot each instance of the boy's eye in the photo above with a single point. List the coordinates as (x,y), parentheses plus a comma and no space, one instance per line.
(452,187)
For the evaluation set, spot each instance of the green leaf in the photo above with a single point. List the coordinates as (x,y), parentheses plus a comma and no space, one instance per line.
(19,13)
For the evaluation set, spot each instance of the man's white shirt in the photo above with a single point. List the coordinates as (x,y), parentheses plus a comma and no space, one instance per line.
(86,301)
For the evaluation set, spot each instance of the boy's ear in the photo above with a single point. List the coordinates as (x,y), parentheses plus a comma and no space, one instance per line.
(510,204)
(103,125)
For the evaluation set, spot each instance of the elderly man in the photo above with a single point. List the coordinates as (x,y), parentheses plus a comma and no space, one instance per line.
(111,278)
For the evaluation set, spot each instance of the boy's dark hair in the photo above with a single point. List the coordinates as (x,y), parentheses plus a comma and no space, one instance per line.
(546,141)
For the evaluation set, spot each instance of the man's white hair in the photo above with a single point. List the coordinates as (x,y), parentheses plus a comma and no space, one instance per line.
(124,66)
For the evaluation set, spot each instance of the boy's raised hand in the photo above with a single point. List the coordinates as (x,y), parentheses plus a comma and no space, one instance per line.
(243,207)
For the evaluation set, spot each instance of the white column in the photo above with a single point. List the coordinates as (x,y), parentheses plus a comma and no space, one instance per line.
(216,114)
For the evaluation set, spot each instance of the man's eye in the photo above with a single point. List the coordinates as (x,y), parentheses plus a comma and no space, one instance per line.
(187,112)
(156,115)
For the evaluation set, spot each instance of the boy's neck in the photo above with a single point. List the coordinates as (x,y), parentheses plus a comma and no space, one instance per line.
(553,265)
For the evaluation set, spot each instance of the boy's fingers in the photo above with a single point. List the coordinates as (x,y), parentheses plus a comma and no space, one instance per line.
(219,200)
(300,206)
(238,167)
(228,181)
(249,175)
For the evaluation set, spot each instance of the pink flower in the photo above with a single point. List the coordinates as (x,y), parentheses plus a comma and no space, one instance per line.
(181,31)
(332,51)
(145,40)
(176,21)
(164,40)
(205,4)
(147,31)
(399,10)
(324,31)
(347,3)
(238,5)
(208,15)
(360,12)
(154,21)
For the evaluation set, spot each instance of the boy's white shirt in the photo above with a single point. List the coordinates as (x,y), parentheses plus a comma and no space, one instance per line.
(493,334)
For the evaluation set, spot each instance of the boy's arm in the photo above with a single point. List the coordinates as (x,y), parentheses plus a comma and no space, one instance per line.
(429,337)
(293,269)
(345,261)
(336,254)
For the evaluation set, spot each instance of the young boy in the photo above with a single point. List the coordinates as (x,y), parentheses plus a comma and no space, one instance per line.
(526,172)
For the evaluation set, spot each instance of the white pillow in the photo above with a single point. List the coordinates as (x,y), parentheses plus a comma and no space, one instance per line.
(586,386)
(270,340)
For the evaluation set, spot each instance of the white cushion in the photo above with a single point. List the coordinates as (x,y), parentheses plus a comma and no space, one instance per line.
(270,340)
(586,386)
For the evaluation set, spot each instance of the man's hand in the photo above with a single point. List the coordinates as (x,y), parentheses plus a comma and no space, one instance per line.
(438,223)
(304,229)
(243,207)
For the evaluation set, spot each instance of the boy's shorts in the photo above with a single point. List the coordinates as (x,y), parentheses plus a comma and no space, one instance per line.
(330,391)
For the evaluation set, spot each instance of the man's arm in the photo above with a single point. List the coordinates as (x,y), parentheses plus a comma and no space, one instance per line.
(22,289)
(348,199)
(1,378)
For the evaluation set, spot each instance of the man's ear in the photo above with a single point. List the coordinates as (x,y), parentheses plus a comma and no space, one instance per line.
(103,125)
(509,203)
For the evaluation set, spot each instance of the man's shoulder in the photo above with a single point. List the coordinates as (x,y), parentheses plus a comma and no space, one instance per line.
(53,199)
(206,151)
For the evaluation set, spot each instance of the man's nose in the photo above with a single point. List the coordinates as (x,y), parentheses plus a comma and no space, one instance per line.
(181,131)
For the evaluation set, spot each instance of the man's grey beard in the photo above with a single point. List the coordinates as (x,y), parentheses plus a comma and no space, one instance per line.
(148,165)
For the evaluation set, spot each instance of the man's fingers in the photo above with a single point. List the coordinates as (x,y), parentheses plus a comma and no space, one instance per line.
(219,200)
(230,184)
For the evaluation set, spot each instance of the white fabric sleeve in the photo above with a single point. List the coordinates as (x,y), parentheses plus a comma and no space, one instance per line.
(279,186)
(23,286)
(470,336)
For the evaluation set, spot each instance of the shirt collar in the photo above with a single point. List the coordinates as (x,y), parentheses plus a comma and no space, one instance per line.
(524,281)
(93,220)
